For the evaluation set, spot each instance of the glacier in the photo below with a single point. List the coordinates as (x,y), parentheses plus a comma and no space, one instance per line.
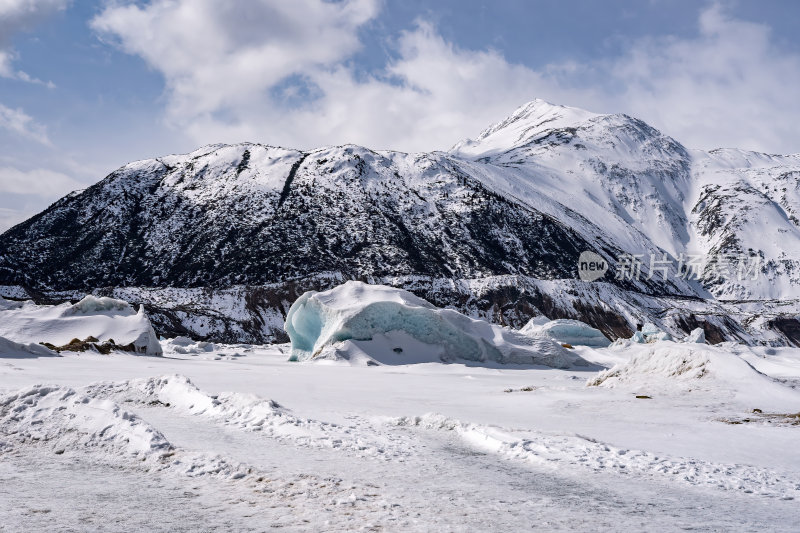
(335,323)
(567,331)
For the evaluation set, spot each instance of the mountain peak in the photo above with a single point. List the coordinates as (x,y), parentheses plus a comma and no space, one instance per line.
(526,122)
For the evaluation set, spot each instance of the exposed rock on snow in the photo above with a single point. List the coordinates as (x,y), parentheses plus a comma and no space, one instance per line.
(101,319)
(357,320)
(572,332)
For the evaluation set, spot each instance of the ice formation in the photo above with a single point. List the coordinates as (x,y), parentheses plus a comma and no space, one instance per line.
(567,331)
(185,345)
(697,336)
(390,325)
(650,333)
(102,318)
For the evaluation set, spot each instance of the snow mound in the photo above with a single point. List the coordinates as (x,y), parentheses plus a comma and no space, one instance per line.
(393,326)
(567,331)
(246,412)
(64,419)
(662,362)
(18,349)
(696,367)
(93,305)
(71,421)
(649,334)
(102,318)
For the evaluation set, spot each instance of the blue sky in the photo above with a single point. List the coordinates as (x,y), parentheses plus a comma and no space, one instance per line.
(88,86)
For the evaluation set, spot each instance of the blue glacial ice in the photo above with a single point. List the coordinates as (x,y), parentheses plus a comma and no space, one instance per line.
(567,331)
(393,326)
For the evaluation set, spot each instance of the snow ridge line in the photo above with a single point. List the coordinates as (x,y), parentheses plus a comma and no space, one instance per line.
(585,453)
(68,422)
(249,412)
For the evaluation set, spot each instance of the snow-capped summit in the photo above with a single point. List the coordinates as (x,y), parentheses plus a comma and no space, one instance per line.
(523,125)
(623,170)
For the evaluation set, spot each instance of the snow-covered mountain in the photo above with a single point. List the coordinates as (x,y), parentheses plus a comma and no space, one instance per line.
(720,207)
(520,202)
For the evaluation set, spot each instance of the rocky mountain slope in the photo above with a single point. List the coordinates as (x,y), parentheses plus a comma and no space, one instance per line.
(520,202)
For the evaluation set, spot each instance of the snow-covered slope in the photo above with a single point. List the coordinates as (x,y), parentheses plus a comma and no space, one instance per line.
(248,214)
(746,204)
(614,170)
(630,179)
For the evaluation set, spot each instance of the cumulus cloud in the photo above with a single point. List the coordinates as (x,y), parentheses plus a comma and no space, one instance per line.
(24,192)
(37,182)
(17,16)
(18,122)
(729,86)
(219,56)
(280,72)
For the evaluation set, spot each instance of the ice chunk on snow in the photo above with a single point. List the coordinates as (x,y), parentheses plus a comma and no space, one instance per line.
(650,329)
(370,316)
(185,345)
(697,336)
(648,334)
(660,336)
(102,318)
(540,320)
(572,332)
(638,337)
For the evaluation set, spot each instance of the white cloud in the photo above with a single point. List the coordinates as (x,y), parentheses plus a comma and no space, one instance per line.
(17,16)
(729,86)
(17,121)
(24,192)
(233,73)
(12,217)
(224,55)
(37,182)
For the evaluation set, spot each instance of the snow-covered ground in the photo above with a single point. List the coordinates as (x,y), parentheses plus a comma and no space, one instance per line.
(239,438)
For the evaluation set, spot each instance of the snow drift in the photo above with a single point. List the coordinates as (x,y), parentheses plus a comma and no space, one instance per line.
(572,332)
(19,349)
(389,325)
(102,318)
(687,367)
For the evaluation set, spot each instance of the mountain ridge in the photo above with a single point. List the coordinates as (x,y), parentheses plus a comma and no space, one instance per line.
(525,198)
